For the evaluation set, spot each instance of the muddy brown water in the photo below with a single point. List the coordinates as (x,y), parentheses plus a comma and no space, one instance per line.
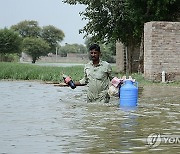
(38,118)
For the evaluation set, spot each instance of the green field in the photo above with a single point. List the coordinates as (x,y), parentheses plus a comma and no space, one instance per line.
(22,71)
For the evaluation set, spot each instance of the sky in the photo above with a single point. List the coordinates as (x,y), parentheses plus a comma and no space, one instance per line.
(46,12)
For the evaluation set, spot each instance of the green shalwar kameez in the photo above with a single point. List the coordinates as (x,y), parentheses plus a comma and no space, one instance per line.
(97,79)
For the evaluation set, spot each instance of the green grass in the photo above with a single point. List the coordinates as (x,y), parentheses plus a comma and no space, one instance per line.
(21,71)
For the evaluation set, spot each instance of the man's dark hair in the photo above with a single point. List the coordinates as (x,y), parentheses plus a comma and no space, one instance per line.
(95,47)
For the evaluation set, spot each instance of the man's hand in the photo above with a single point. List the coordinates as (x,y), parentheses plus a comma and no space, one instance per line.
(67,79)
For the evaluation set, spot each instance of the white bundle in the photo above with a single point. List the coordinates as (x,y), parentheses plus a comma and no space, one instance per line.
(115,84)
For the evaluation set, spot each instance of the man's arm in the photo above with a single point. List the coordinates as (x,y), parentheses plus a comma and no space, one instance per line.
(110,72)
(77,83)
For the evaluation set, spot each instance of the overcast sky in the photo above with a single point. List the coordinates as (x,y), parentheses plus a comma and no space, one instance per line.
(47,12)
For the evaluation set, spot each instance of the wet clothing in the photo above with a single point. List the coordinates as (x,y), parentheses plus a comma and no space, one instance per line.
(97,79)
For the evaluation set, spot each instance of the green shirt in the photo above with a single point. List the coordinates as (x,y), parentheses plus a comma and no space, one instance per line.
(97,79)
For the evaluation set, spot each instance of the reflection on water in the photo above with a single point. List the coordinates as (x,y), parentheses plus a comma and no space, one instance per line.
(40,118)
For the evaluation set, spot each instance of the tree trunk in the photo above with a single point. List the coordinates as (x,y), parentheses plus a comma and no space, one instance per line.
(130,52)
(1,57)
(133,56)
(33,60)
(141,55)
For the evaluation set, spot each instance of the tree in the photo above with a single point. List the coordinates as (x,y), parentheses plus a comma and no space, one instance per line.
(107,53)
(72,48)
(27,28)
(124,20)
(140,11)
(53,36)
(35,47)
(32,32)
(10,41)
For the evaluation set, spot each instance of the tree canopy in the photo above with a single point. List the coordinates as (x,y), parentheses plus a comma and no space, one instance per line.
(53,36)
(124,19)
(27,28)
(35,47)
(50,34)
(10,42)
(72,48)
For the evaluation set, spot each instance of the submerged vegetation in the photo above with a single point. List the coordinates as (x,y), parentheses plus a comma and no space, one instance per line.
(25,71)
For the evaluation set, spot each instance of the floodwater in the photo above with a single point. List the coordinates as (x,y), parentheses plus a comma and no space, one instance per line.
(37,118)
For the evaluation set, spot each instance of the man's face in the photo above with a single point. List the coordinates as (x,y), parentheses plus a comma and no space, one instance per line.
(94,55)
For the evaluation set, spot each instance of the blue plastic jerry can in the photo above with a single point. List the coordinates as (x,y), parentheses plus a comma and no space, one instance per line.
(129,93)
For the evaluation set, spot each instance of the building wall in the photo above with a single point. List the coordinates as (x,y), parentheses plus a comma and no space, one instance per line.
(71,58)
(162,50)
(25,58)
(52,58)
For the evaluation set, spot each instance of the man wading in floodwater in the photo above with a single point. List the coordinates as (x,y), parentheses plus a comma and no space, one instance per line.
(97,75)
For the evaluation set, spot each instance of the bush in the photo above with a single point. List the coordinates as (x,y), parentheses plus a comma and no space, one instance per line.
(9,57)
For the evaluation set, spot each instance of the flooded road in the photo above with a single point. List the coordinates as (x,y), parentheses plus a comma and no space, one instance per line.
(37,118)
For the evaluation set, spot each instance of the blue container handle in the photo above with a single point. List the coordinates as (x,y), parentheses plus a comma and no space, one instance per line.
(136,84)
